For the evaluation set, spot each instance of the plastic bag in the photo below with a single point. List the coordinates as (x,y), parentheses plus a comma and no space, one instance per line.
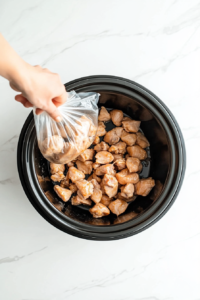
(64,141)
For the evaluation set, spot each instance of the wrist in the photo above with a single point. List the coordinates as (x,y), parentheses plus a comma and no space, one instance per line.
(20,76)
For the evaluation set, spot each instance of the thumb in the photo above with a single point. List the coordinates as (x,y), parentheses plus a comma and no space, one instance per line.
(53,112)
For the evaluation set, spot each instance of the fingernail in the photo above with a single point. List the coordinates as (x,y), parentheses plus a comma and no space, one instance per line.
(58,119)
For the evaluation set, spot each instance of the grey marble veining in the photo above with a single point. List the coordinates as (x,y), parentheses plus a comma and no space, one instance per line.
(155,43)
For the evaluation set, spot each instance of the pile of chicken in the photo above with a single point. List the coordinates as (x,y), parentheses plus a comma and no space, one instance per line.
(114,175)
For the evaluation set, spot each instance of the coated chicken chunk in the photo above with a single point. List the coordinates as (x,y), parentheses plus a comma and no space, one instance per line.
(99,210)
(104,157)
(117,116)
(52,145)
(110,185)
(119,148)
(75,174)
(55,168)
(97,193)
(58,176)
(137,151)
(65,182)
(144,186)
(104,115)
(84,166)
(101,130)
(118,206)
(119,196)
(113,136)
(128,138)
(105,169)
(117,156)
(101,147)
(85,187)
(95,166)
(86,155)
(96,140)
(126,119)
(94,176)
(142,140)
(105,200)
(70,164)
(127,190)
(64,194)
(120,164)
(131,125)
(73,188)
(125,177)
(133,164)
(78,199)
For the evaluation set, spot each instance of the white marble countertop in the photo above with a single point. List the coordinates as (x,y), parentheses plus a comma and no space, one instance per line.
(155,43)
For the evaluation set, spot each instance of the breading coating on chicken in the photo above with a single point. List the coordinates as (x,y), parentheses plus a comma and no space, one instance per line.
(101,147)
(120,164)
(142,140)
(84,166)
(129,138)
(85,188)
(127,190)
(113,136)
(119,148)
(104,157)
(144,186)
(75,174)
(131,125)
(105,169)
(63,193)
(104,115)
(105,200)
(133,164)
(99,210)
(88,154)
(118,206)
(137,151)
(55,168)
(57,177)
(117,116)
(125,177)
(78,199)
(110,185)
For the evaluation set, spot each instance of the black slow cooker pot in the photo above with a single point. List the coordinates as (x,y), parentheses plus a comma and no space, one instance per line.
(167,164)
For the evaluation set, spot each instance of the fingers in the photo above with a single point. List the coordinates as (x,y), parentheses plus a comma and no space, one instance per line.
(54,112)
(60,99)
(38,111)
(23,100)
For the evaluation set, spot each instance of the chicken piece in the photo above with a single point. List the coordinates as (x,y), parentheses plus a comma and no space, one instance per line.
(100,123)
(126,156)
(127,190)
(64,194)
(126,217)
(55,168)
(101,147)
(104,157)
(78,199)
(96,140)
(120,164)
(118,206)
(116,117)
(104,115)
(126,119)
(73,187)
(110,184)
(144,186)
(95,166)
(140,168)
(85,187)
(98,179)
(125,177)
(105,200)
(113,136)
(102,187)
(137,151)
(105,169)
(133,164)
(119,148)
(70,164)
(75,174)
(84,166)
(86,155)
(142,140)
(119,196)
(97,193)
(131,125)
(99,210)
(65,182)
(117,156)
(52,145)
(58,176)
(128,138)
(101,130)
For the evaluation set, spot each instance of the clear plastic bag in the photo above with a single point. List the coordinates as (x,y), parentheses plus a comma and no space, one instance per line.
(64,141)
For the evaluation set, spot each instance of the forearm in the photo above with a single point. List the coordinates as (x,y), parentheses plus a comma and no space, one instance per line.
(12,66)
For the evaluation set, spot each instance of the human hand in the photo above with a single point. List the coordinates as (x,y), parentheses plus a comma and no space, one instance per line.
(40,88)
